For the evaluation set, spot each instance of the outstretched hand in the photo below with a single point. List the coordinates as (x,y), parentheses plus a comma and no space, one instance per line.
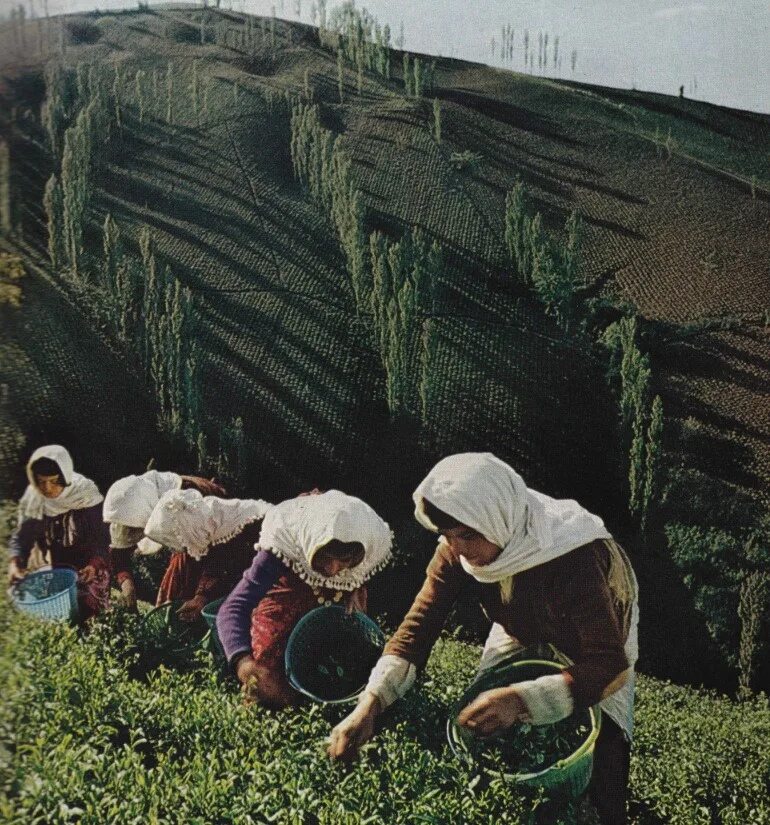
(493,711)
(354,730)
(15,572)
(190,611)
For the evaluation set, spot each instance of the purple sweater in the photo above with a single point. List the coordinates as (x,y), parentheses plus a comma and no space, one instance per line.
(234,617)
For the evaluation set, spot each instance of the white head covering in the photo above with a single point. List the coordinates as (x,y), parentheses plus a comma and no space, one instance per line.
(130,500)
(484,493)
(80,492)
(185,520)
(129,503)
(296,529)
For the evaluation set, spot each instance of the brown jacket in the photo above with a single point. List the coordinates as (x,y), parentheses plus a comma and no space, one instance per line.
(565,602)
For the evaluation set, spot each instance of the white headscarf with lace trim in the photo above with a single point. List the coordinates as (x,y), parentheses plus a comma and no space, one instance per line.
(79,492)
(129,503)
(484,493)
(296,529)
(187,521)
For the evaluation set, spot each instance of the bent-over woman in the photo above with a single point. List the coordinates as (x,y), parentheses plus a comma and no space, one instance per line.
(314,549)
(127,508)
(545,571)
(218,533)
(61,512)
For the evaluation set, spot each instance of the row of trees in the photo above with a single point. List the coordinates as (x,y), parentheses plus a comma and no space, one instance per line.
(82,102)
(551,269)
(393,282)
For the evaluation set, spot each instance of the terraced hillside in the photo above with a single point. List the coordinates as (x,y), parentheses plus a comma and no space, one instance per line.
(674,196)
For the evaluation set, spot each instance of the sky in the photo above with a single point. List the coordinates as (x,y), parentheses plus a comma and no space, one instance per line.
(718,51)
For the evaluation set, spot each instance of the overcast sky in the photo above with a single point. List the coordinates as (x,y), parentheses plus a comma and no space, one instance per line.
(719,51)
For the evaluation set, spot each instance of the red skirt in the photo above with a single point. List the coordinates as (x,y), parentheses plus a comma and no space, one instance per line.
(273,619)
(93,587)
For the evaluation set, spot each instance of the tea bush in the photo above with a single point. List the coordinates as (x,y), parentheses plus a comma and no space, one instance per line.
(83,741)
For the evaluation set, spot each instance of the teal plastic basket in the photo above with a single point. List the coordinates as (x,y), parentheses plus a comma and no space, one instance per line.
(209,614)
(330,654)
(50,595)
(568,776)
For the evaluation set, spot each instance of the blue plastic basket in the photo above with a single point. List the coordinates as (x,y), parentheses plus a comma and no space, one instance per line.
(50,595)
(330,654)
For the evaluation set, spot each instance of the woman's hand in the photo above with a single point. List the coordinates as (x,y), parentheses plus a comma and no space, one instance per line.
(87,574)
(493,710)
(128,591)
(354,730)
(191,609)
(15,572)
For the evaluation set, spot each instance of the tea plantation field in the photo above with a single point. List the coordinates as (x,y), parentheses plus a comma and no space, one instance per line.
(84,740)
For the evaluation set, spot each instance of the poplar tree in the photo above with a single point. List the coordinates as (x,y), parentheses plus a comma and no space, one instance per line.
(654,451)
(408,76)
(340,75)
(53,204)
(5,189)
(111,248)
(117,97)
(194,92)
(169,93)
(437,120)
(139,91)
(418,77)
(753,598)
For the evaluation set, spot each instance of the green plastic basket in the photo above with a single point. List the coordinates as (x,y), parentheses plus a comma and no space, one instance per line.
(330,654)
(165,631)
(567,777)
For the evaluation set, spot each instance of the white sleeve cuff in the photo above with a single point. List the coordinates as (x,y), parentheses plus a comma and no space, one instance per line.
(390,679)
(548,699)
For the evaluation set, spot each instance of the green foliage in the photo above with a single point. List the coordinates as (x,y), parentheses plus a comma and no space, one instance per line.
(437,120)
(86,741)
(698,757)
(53,204)
(653,459)
(5,188)
(465,160)
(11,273)
(752,611)
(403,282)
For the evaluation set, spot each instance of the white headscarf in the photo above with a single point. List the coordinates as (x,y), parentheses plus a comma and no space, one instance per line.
(296,529)
(185,520)
(131,500)
(484,493)
(80,492)
(128,505)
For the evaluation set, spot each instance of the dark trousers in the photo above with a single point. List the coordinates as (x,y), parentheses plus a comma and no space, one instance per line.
(609,782)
